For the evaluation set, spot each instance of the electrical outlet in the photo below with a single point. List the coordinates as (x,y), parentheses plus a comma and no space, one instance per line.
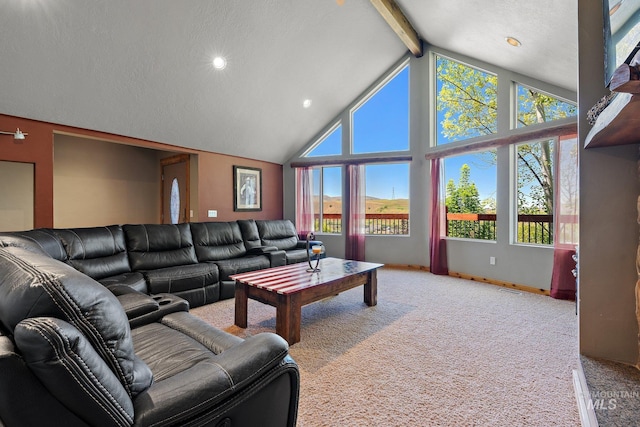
(492,260)
(212,214)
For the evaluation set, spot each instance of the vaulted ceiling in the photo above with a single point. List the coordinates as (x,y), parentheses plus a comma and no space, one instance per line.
(143,68)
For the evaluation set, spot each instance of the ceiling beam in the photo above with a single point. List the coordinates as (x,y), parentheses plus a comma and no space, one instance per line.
(391,13)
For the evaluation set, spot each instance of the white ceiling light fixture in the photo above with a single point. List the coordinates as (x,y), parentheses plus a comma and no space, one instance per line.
(17,135)
(513,41)
(306,103)
(219,63)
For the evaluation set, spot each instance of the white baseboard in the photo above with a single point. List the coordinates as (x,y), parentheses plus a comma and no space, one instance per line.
(583,397)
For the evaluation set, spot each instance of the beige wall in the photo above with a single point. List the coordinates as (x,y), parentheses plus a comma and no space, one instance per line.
(16,196)
(102,183)
(86,159)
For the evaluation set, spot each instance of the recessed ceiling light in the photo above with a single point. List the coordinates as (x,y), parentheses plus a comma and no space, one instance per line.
(219,63)
(513,41)
(306,103)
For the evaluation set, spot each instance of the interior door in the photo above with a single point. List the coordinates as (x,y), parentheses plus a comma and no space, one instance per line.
(16,196)
(175,189)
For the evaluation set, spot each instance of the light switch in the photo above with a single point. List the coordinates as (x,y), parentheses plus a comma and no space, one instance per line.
(212,214)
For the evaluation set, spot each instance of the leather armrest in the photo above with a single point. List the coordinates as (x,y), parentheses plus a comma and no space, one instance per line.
(164,303)
(277,258)
(260,250)
(231,376)
(121,289)
(137,304)
(242,360)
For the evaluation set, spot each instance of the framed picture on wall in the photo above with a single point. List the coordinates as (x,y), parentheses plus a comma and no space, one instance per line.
(247,189)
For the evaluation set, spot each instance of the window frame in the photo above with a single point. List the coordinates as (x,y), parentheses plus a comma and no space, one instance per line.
(322,138)
(513,196)
(443,189)
(372,93)
(408,226)
(321,184)
(434,101)
(515,102)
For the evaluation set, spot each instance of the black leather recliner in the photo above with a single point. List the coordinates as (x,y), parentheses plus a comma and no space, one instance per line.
(68,356)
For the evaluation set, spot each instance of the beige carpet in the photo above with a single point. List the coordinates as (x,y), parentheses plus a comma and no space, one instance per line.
(435,351)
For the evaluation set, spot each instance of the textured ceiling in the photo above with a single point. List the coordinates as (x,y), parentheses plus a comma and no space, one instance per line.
(143,68)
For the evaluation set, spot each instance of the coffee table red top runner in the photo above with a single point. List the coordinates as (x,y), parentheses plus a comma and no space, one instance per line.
(295,277)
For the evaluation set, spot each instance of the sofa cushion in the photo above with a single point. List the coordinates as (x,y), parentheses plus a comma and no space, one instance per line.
(98,252)
(217,240)
(298,255)
(279,233)
(70,368)
(197,283)
(41,239)
(250,233)
(35,285)
(181,278)
(153,246)
(134,279)
(240,265)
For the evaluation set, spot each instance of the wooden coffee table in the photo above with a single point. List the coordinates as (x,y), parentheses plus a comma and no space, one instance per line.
(290,287)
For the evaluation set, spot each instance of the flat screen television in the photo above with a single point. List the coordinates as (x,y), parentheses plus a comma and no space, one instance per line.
(621,34)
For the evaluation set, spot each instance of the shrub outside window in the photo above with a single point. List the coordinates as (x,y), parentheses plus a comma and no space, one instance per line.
(470,195)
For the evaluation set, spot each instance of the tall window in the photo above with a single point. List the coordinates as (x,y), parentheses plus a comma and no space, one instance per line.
(327,199)
(381,123)
(379,127)
(387,194)
(534,199)
(466,101)
(470,189)
(534,106)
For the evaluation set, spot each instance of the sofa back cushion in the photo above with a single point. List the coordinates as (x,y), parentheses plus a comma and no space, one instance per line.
(279,233)
(35,285)
(153,246)
(98,252)
(40,239)
(216,241)
(250,233)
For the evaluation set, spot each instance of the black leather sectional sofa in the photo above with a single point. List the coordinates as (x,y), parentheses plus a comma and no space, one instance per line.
(192,261)
(95,328)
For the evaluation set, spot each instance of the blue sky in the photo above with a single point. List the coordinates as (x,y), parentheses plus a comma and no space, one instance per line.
(381,125)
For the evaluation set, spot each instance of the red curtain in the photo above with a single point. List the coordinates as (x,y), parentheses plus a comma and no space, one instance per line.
(566,214)
(354,245)
(304,202)
(437,242)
